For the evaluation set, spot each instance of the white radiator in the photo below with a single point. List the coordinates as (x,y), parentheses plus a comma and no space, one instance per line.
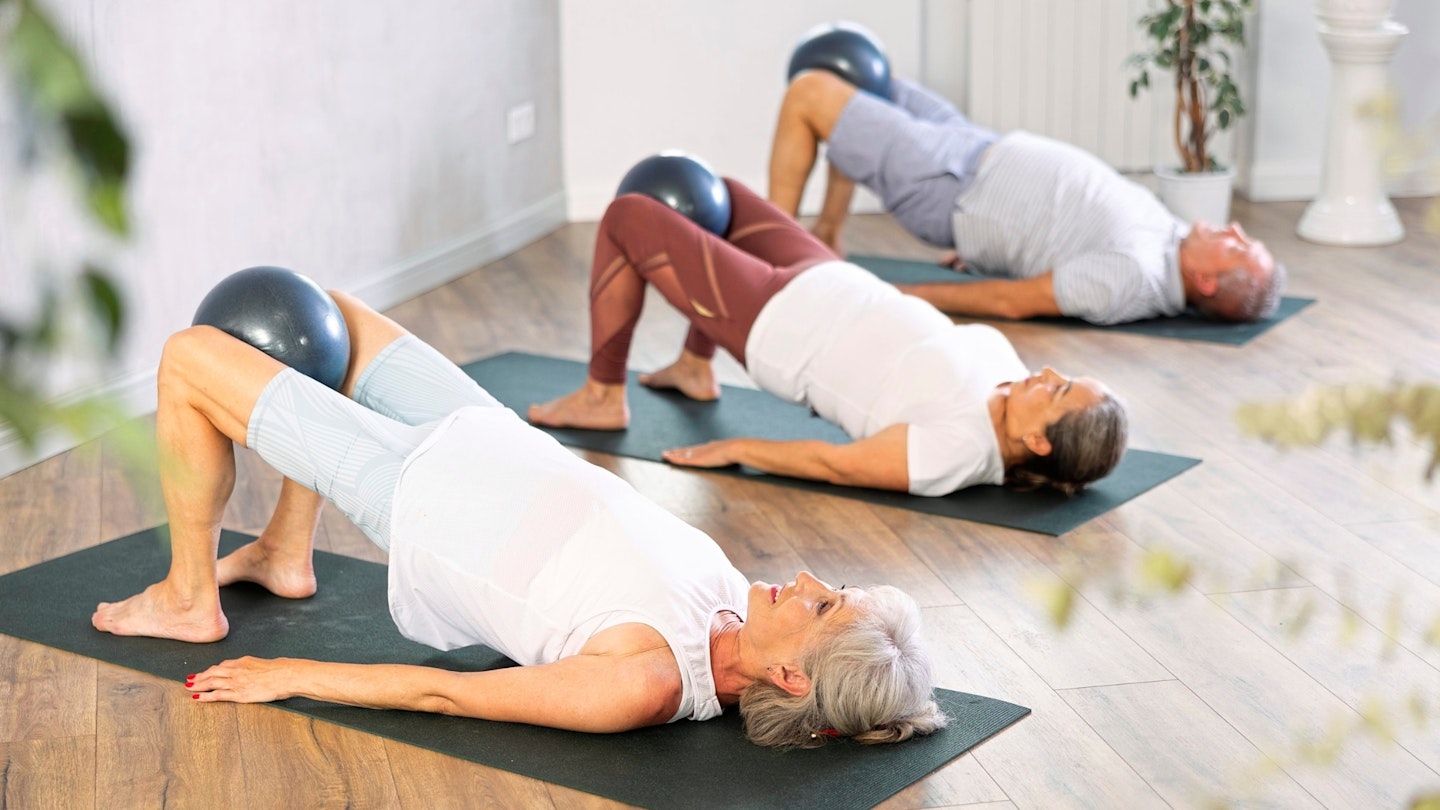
(1057,68)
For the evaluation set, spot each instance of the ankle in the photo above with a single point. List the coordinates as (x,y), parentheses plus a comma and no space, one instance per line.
(604,393)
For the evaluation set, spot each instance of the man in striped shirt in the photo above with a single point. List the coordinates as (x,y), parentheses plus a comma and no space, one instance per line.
(1055,230)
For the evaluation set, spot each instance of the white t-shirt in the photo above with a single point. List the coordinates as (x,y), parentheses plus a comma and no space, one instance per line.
(1038,205)
(864,356)
(502,537)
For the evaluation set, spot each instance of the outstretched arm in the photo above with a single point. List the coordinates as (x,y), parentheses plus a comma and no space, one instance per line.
(1016,299)
(580,693)
(879,462)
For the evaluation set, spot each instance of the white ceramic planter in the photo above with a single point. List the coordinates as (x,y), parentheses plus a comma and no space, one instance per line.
(1197,195)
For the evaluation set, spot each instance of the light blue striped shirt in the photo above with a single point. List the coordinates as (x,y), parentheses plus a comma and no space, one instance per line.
(1039,205)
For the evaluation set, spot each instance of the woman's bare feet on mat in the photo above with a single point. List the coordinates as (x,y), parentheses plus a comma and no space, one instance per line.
(159,612)
(596,406)
(691,375)
(289,575)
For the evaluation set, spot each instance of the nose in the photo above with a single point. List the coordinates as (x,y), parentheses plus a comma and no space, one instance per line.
(1052,376)
(806,581)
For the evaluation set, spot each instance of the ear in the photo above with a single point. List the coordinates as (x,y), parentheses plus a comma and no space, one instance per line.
(791,679)
(1207,282)
(1037,443)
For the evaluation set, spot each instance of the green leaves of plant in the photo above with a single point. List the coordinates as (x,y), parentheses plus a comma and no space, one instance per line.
(1366,412)
(1188,38)
(55,87)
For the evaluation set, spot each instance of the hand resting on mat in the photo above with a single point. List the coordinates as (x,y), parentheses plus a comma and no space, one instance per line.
(620,614)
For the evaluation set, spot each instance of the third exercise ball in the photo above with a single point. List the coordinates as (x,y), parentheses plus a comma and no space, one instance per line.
(285,315)
(686,184)
(847,50)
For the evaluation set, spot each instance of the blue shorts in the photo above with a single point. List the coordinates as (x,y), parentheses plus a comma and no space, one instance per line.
(916,165)
(351,450)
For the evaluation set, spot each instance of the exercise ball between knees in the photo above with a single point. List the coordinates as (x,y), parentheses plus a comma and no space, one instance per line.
(847,50)
(284,314)
(685,183)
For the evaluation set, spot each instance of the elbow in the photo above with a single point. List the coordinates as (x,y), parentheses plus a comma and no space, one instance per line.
(1013,310)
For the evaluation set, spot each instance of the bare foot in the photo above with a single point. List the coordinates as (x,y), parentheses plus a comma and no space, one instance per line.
(158,612)
(691,375)
(595,406)
(256,562)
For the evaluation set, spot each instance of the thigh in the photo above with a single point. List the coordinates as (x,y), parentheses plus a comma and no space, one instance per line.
(411,382)
(333,445)
(769,234)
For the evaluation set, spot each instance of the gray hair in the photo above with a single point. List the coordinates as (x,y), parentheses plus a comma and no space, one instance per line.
(1085,446)
(869,679)
(1244,294)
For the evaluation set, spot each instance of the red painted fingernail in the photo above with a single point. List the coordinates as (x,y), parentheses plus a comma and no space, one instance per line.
(190,677)
(195,696)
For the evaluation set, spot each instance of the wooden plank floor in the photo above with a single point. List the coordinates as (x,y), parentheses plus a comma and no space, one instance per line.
(1313,608)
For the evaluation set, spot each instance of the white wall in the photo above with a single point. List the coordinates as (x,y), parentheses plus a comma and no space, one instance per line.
(640,76)
(361,143)
(1285,131)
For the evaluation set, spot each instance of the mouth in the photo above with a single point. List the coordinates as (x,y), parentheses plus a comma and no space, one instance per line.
(774,593)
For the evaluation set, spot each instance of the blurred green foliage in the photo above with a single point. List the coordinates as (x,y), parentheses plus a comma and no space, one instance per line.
(61,115)
(1366,412)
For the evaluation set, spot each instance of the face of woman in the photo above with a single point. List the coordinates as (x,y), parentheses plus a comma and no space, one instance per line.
(1041,400)
(781,620)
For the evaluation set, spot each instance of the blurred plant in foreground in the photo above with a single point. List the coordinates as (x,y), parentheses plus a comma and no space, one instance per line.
(62,121)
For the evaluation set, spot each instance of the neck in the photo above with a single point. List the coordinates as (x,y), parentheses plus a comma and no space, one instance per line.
(1184,256)
(727,662)
(1012,451)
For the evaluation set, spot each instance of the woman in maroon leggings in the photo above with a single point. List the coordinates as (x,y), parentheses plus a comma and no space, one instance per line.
(932,406)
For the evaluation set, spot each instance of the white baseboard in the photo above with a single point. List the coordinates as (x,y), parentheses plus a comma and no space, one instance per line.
(135,392)
(1279,182)
(445,263)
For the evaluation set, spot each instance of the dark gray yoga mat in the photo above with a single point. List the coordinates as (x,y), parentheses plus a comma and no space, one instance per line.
(1185,326)
(660,420)
(680,765)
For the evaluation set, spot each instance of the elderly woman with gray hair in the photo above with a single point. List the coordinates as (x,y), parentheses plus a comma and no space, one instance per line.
(620,614)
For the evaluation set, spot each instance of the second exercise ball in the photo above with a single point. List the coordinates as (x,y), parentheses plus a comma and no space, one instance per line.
(685,183)
(847,50)
(284,314)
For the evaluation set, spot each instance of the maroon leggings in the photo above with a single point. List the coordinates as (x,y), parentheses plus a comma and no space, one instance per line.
(719,284)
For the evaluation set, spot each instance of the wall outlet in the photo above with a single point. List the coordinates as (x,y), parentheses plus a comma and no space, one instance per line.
(520,122)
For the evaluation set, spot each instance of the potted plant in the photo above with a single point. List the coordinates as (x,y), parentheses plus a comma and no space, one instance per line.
(1190,39)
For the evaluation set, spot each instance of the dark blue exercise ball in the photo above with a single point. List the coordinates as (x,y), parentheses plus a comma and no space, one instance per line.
(847,50)
(685,183)
(285,315)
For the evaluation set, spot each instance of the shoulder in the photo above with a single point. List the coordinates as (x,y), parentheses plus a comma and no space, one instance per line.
(642,668)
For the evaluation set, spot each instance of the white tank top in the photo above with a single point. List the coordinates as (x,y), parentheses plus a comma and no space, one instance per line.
(502,537)
(866,357)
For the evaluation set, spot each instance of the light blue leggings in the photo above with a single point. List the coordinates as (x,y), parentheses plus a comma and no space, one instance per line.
(351,450)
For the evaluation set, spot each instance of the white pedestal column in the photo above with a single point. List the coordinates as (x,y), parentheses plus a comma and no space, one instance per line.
(1352,208)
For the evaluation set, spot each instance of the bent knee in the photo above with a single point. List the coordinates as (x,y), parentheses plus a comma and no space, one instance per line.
(189,352)
(818,96)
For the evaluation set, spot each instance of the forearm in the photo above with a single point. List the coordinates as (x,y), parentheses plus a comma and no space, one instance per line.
(370,686)
(997,298)
(796,459)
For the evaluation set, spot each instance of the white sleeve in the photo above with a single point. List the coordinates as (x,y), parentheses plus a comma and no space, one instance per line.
(945,457)
(1102,288)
